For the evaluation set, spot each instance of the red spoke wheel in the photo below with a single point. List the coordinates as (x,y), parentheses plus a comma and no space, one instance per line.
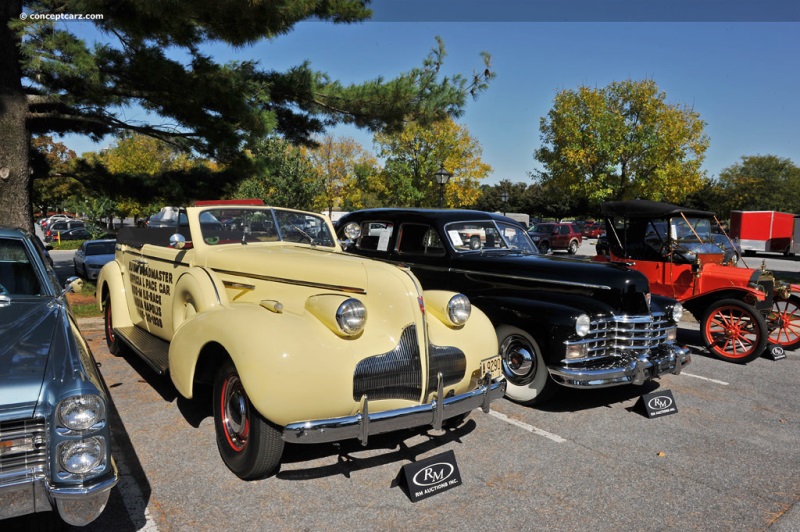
(248,444)
(734,331)
(784,322)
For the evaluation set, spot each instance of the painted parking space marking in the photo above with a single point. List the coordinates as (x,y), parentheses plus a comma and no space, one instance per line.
(549,435)
(715,381)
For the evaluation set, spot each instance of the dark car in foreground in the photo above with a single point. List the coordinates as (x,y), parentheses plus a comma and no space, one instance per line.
(557,319)
(54,432)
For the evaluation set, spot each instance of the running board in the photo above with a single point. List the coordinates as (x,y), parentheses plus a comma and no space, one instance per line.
(152,350)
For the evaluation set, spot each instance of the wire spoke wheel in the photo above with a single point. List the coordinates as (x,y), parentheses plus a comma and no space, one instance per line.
(734,331)
(784,322)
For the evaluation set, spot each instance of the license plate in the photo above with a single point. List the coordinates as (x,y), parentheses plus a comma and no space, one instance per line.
(493,365)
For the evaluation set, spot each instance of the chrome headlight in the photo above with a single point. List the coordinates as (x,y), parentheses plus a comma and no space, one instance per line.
(677,312)
(351,316)
(81,456)
(582,325)
(352,231)
(81,412)
(458,309)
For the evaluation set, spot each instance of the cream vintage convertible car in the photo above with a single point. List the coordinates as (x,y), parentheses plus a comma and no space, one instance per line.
(303,343)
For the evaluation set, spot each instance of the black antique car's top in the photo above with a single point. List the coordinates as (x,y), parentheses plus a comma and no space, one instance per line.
(649,209)
(602,288)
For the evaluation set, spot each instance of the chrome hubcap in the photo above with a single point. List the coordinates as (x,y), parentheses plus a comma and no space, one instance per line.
(519,359)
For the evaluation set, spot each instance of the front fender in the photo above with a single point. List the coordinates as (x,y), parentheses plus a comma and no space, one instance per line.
(110,284)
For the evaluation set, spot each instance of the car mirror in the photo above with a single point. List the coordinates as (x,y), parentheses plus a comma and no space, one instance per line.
(177,241)
(73,284)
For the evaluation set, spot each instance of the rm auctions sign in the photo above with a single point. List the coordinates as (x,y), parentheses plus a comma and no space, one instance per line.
(660,403)
(432,475)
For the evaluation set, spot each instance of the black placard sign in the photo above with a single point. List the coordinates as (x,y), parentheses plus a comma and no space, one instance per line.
(432,476)
(775,352)
(659,403)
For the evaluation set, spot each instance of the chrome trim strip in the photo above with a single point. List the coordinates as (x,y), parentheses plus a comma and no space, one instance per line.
(322,286)
(363,425)
(514,277)
(241,286)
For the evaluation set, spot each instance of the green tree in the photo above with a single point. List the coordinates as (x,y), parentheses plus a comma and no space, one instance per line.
(622,141)
(760,183)
(54,183)
(413,156)
(284,177)
(52,81)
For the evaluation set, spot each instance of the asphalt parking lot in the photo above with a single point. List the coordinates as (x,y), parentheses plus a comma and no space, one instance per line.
(589,459)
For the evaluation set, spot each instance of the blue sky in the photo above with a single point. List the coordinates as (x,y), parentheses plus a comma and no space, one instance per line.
(743,78)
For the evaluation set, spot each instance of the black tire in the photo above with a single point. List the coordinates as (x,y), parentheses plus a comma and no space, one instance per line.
(474,242)
(544,247)
(734,331)
(573,247)
(115,346)
(528,381)
(784,323)
(248,444)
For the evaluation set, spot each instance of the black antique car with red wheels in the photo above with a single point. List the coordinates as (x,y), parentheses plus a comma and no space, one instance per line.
(740,309)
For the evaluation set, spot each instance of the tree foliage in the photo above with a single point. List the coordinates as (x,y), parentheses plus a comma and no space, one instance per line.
(413,156)
(622,141)
(284,177)
(342,166)
(760,183)
(152,56)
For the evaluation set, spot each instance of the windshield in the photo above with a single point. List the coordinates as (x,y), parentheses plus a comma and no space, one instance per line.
(542,228)
(488,235)
(227,225)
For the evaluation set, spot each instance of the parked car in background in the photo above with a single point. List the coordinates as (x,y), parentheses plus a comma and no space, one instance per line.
(593,230)
(92,256)
(47,222)
(301,342)
(62,225)
(76,233)
(739,309)
(54,430)
(549,236)
(558,320)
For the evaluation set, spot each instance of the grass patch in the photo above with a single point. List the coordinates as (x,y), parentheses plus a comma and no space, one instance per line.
(83,303)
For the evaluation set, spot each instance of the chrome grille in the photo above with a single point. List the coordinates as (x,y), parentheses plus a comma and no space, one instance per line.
(398,373)
(634,334)
(28,464)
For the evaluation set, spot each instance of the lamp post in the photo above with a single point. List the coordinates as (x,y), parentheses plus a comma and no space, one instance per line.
(442,177)
(504,197)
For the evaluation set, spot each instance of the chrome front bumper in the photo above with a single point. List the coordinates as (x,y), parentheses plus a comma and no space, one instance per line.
(625,369)
(77,505)
(366,423)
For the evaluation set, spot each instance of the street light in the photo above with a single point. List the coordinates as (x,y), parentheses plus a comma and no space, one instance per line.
(442,177)
(504,197)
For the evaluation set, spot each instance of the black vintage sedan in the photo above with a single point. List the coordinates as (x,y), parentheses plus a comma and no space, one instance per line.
(558,320)
(54,430)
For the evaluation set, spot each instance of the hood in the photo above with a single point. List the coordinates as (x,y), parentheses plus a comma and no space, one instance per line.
(99,259)
(291,263)
(611,287)
(26,333)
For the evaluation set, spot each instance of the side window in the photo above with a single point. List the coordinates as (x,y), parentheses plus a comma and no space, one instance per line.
(419,239)
(564,230)
(375,236)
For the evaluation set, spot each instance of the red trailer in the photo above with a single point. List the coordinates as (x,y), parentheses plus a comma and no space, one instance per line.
(763,231)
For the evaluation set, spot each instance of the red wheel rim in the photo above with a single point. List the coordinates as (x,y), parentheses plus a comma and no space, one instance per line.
(235,413)
(733,332)
(109,328)
(787,314)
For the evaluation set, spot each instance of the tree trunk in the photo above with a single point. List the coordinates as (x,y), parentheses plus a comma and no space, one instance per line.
(15,177)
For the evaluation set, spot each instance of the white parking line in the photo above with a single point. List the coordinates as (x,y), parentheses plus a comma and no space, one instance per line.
(715,381)
(133,498)
(520,424)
